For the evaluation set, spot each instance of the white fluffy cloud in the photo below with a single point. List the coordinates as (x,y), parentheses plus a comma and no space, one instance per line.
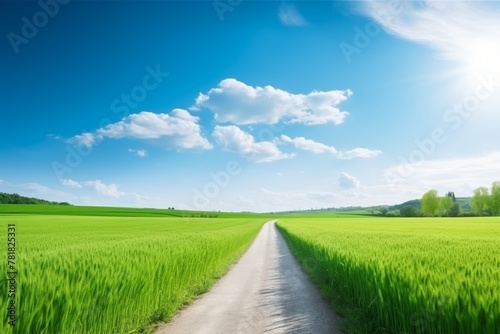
(309,145)
(315,147)
(71,183)
(235,102)
(179,126)
(232,138)
(290,16)
(359,152)
(110,190)
(347,181)
(140,153)
(107,190)
(86,139)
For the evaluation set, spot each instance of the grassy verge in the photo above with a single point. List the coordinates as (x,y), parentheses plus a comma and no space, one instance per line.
(404,275)
(79,274)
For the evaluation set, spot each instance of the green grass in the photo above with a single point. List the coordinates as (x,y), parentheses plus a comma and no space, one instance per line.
(438,275)
(67,210)
(80,274)
(324,214)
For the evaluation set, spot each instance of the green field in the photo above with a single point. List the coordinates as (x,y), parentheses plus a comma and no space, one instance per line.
(121,270)
(115,211)
(420,275)
(104,274)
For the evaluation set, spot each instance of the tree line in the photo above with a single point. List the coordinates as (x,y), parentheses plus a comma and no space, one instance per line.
(431,204)
(18,199)
(484,202)
(434,205)
(487,202)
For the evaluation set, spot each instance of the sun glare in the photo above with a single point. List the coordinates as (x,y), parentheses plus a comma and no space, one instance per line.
(483,59)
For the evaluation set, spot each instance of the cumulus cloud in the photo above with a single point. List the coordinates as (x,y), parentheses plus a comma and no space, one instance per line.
(347,181)
(2,181)
(71,183)
(180,127)
(290,16)
(309,145)
(140,153)
(86,139)
(109,190)
(235,102)
(233,139)
(359,152)
(315,147)
(453,28)
(54,136)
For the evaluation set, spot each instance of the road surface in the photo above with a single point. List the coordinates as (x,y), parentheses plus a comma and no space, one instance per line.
(266,291)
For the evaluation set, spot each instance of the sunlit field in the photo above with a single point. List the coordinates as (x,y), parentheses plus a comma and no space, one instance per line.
(80,274)
(423,275)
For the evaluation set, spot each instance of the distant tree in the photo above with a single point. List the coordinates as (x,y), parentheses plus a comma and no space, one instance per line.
(393,213)
(430,203)
(481,200)
(18,199)
(455,210)
(409,211)
(451,194)
(445,204)
(383,211)
(494,202)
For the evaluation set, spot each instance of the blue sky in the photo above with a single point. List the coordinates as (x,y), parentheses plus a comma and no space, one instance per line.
(259,106)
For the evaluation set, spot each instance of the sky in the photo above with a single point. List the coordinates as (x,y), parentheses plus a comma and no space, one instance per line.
(257,106)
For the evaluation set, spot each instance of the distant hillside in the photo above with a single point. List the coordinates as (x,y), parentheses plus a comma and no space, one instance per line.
(414,202)
(18,199)
(464,203)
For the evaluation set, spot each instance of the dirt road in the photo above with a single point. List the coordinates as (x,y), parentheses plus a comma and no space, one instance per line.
(264,292)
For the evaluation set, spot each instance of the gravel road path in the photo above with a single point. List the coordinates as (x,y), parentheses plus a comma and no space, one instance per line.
(266,291)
